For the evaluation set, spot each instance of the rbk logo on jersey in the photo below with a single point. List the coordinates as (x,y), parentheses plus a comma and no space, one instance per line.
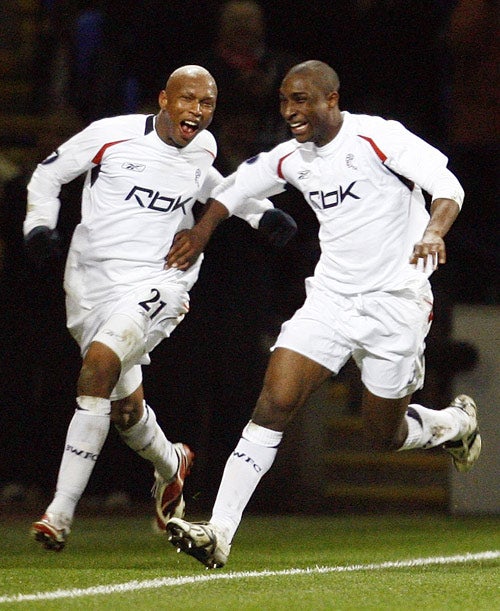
(135,167)
(322,200)
(147,198)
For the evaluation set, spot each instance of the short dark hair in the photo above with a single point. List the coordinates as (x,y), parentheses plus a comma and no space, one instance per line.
(324,75)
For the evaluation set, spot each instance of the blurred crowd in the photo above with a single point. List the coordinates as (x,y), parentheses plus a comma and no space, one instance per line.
(433,64)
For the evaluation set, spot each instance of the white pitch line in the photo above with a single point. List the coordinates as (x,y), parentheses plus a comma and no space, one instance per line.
(166,582)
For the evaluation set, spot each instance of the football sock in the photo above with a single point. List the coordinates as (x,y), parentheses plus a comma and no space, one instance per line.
(85,438)
(428,428)
(149,441)
(251,459)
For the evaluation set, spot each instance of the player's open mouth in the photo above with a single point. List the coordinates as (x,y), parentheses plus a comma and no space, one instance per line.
(188,128)
(297,128)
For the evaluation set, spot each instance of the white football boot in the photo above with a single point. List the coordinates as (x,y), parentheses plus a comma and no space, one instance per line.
(201,540)
(465,451)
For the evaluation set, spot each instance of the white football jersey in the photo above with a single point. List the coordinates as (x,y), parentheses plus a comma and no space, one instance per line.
(138,193)
(365,187)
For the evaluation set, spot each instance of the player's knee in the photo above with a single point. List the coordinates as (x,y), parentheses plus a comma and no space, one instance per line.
(99,372)
(274,409)
(127,411)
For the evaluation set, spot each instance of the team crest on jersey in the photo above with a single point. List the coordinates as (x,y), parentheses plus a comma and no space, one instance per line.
(349,161)
(135,167)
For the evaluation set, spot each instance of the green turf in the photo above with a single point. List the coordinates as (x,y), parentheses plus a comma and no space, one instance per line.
(120,550)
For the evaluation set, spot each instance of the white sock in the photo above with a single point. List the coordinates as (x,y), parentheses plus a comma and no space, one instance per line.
(149,441)
(251,459)
(85,438)
(428,428)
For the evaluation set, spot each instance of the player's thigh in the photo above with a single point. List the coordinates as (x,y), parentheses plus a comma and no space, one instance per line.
(316,331)
(133,324)
(290,379)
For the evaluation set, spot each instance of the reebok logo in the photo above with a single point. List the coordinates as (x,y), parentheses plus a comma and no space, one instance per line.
(135,167)
(322,200)
(148,198)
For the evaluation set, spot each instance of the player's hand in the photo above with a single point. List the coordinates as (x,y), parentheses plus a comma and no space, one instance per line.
(187,246)
(42,246)
(278,226)
(429,252)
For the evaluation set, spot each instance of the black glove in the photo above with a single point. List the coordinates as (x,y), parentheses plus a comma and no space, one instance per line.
(278,226)
(42,246)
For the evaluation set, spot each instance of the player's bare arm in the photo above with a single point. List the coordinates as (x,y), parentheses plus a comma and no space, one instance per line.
(443,214)
(190,243)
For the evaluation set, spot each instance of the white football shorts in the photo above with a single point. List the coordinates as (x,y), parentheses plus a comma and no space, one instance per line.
(131,326)
(384,332)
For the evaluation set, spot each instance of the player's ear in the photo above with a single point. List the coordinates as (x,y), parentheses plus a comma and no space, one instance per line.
(162,99)
(333,99)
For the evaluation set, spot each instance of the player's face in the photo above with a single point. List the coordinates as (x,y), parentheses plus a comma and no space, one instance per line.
(187,107)
(311,115)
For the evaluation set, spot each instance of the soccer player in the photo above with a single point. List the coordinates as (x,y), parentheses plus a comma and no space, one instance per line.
(143,175)
(369,297)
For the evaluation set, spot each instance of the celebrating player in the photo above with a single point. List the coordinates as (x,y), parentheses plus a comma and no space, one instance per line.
(369,297)
(143,175)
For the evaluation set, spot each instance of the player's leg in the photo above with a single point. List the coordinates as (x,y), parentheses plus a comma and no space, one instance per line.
(156,312)
(384,423)
(455,428)
(392,369)
(131,334)
(85,438)
(290,379)
(137,426)
(106,341)
(394,424)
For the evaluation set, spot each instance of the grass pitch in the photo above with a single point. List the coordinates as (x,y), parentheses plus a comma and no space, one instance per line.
(277,563)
